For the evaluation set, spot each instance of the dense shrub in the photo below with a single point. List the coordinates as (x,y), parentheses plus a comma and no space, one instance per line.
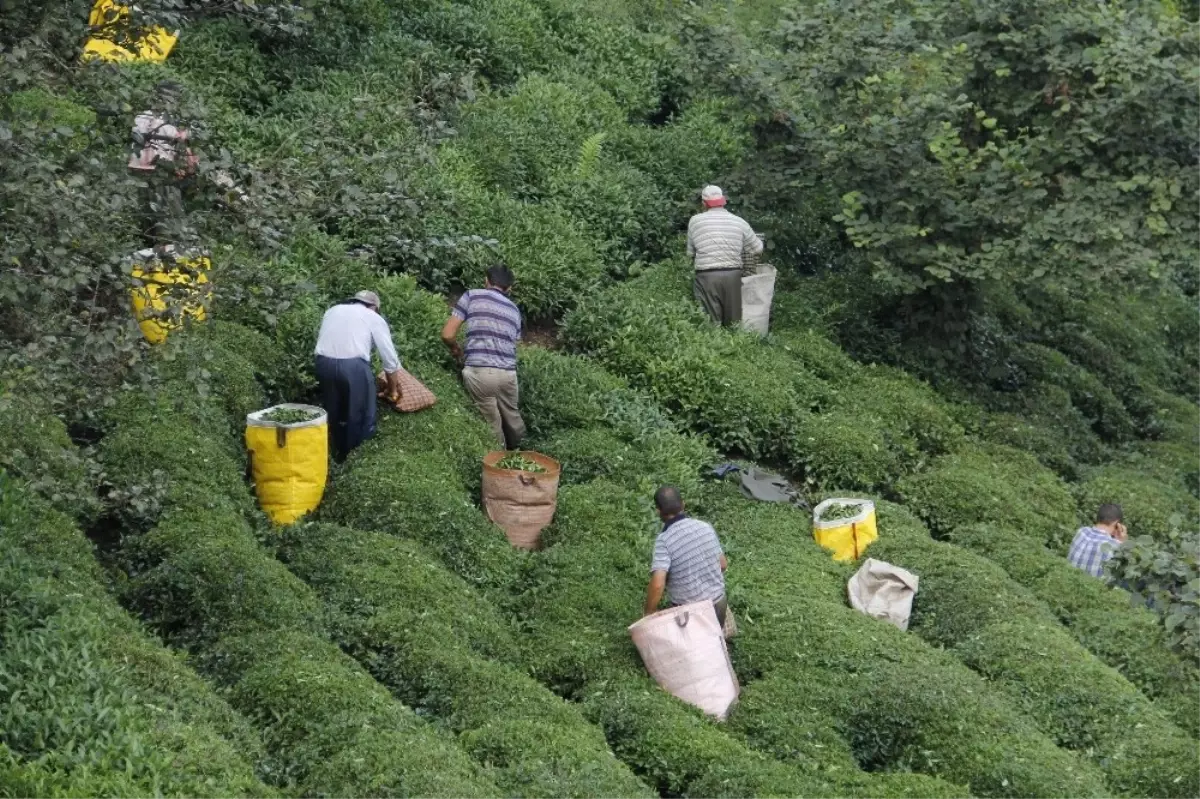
(38,451)
(332,730)
(1166,574)
(413,472)
(422,631)
(1151,507)
(76,668)
(971,606)
(1123,634)
(992,483)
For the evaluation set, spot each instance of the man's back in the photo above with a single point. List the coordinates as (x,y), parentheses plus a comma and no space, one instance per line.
(1090,550)
(719,240)
(689,552)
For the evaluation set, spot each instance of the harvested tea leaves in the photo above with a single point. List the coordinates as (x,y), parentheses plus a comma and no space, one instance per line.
(289,416)
(841,510)
(515,461)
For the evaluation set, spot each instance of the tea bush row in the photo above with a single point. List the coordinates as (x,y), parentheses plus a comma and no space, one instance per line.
(970,606)
(202,579)
(898,702)
(93,704)
(748,397)
(1103,619)
(449,654)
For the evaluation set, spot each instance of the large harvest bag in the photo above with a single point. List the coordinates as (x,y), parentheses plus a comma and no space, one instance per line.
(167,288)
(684,651)
(846,538)
(883,591)
(758,290)
(413,394)
(290,462)
(520,503)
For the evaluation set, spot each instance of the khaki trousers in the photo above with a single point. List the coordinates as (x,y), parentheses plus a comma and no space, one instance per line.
(496,395)
(720,292)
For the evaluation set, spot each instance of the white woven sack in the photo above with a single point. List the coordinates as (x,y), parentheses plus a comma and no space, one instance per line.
(684,651)
(758,290)
(883,591)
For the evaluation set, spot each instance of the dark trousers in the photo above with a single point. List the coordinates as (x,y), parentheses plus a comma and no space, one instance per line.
(348,394)
(720,292)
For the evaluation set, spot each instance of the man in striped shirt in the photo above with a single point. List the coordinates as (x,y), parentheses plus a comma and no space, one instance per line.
(688,560)
(1094,545)
(718,242)
(490,361)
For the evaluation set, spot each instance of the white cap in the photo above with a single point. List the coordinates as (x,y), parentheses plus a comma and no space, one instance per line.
(712,196)
(368,298)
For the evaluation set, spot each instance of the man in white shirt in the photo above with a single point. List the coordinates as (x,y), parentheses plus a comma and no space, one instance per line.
(343,354)
(718,242)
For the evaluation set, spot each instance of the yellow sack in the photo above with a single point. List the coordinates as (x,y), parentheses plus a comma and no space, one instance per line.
(155,46)
(847,537)
(289,461)
(165,283)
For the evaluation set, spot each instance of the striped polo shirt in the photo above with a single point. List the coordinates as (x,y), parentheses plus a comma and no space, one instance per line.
(493,328)
(688,551)
(719,240)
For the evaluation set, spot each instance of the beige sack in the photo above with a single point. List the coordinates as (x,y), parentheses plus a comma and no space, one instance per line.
(684,651)
(520,503)
(883,591)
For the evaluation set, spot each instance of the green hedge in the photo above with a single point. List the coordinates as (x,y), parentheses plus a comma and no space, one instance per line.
(36,449)
(900,703)
(748,397)
(1152,507)
(425,634)
(94,706)
(411,481)
(992,483)
(204,581)
(969,605)
(1124,635)
(333,730)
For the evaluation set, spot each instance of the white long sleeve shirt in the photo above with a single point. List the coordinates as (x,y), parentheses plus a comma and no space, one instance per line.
(350,330)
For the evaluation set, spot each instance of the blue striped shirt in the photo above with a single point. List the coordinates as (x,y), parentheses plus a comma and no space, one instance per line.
(1091,549)
(688,551)
(493,328)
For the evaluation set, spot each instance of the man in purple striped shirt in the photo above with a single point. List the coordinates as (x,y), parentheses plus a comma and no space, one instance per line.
(490,366)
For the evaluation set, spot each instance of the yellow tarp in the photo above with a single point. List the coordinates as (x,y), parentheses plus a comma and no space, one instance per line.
(846,538)
(154,46)
(290,462)
(171,281)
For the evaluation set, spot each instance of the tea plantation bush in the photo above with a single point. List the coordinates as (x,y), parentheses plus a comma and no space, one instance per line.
(90,698)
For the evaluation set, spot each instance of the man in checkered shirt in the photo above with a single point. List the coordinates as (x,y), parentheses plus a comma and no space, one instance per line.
(688,560)
(1094,545)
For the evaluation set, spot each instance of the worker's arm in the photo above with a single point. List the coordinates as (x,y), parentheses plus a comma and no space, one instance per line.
(691,244)
(450,336)
(751,243)
(654,591)
(724,562)
(381,337)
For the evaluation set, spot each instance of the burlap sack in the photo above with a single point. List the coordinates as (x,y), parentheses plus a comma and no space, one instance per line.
(520,503)
(883,591)
(684,651)
(413,397)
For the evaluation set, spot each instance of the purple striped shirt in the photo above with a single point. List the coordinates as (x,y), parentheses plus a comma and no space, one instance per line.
(493,328)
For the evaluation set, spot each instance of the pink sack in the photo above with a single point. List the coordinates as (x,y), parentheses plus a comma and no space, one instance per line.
(684,651)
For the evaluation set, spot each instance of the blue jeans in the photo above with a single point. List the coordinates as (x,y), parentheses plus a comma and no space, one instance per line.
(348,394)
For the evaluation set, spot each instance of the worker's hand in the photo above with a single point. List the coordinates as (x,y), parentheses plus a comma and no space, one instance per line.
(393,381)
(1120,533)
